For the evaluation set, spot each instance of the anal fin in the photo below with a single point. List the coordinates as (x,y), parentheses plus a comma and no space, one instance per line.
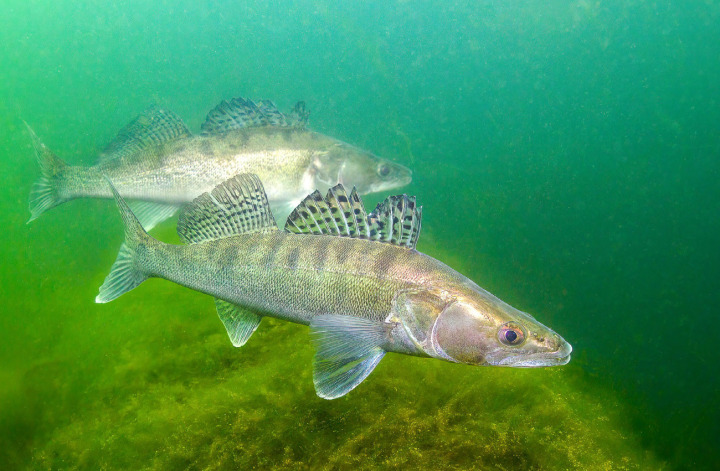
(239,322)
(347,351)
(151,214)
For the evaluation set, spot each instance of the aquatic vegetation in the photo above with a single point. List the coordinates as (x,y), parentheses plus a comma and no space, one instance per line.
(152,379)
(197,402)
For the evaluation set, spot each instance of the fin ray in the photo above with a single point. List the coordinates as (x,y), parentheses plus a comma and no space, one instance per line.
(153,126)
(151,214)
(239,322)
(240,113)
(126,273)
(44,192)
(394,221)
(237,206)
(347,351)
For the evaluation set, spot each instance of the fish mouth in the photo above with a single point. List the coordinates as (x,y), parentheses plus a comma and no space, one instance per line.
(535,360)
(389,185)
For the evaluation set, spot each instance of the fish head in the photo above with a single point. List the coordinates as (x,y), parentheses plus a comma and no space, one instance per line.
(474,327)
(368,173)
(483,330)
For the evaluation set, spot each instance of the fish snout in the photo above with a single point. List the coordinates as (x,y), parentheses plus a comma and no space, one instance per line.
(553,350)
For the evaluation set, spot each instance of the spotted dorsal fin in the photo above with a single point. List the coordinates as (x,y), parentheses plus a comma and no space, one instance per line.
(153,126)
(240,113)
(234,207)
(395,221)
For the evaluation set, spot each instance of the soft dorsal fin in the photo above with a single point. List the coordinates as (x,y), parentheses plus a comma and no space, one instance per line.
(154,126)
(395,221)
(299,116)
(272,115)
(240,113)
(237,206)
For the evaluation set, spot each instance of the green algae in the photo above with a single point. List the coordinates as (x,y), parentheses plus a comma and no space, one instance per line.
(151,381)
(198,403)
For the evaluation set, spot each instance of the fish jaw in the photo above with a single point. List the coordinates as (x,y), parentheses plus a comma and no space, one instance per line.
(403,177)
(559,357)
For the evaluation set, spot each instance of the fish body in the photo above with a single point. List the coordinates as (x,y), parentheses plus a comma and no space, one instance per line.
(156,160)
(355,279)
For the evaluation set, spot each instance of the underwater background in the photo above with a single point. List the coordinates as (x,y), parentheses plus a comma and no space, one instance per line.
(566,154)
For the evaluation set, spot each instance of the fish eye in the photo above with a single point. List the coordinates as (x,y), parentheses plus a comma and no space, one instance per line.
(511,334)
(383,170)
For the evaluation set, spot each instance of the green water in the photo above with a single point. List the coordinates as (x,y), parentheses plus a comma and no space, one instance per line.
(565,152)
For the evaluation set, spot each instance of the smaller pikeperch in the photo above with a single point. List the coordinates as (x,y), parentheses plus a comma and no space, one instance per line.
(354,278)
(159,164)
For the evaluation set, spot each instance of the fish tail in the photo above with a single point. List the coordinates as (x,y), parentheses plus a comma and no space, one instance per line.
(44,193)
(127,272)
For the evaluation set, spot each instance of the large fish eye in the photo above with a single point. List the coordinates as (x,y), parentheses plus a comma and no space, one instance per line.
(511,334)
(383,170)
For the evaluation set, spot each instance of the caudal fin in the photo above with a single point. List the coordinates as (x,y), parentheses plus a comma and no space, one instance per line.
(44,192)
(127,271)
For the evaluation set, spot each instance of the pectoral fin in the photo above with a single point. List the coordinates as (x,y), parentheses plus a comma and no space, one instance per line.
(348,349)
(239,322)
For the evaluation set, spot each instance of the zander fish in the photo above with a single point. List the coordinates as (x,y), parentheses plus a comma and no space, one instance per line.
(156,161)
(354,278)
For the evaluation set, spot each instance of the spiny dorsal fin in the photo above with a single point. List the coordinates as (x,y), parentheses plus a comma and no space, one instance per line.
(154,126)
(240,113)
(395,221)
(236,206)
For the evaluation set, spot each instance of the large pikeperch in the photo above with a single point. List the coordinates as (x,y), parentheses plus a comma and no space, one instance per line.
(157,162)
(354,278)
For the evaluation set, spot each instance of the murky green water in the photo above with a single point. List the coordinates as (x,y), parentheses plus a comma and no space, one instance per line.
(566,154)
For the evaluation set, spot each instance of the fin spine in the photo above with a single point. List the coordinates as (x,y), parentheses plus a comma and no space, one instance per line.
(153,126)
(236,206)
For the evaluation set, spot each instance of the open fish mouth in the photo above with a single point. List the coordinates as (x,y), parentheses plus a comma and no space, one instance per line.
(540,359)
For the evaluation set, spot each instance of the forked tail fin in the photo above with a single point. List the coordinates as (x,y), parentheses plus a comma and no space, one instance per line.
(127,271)
(44,192)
